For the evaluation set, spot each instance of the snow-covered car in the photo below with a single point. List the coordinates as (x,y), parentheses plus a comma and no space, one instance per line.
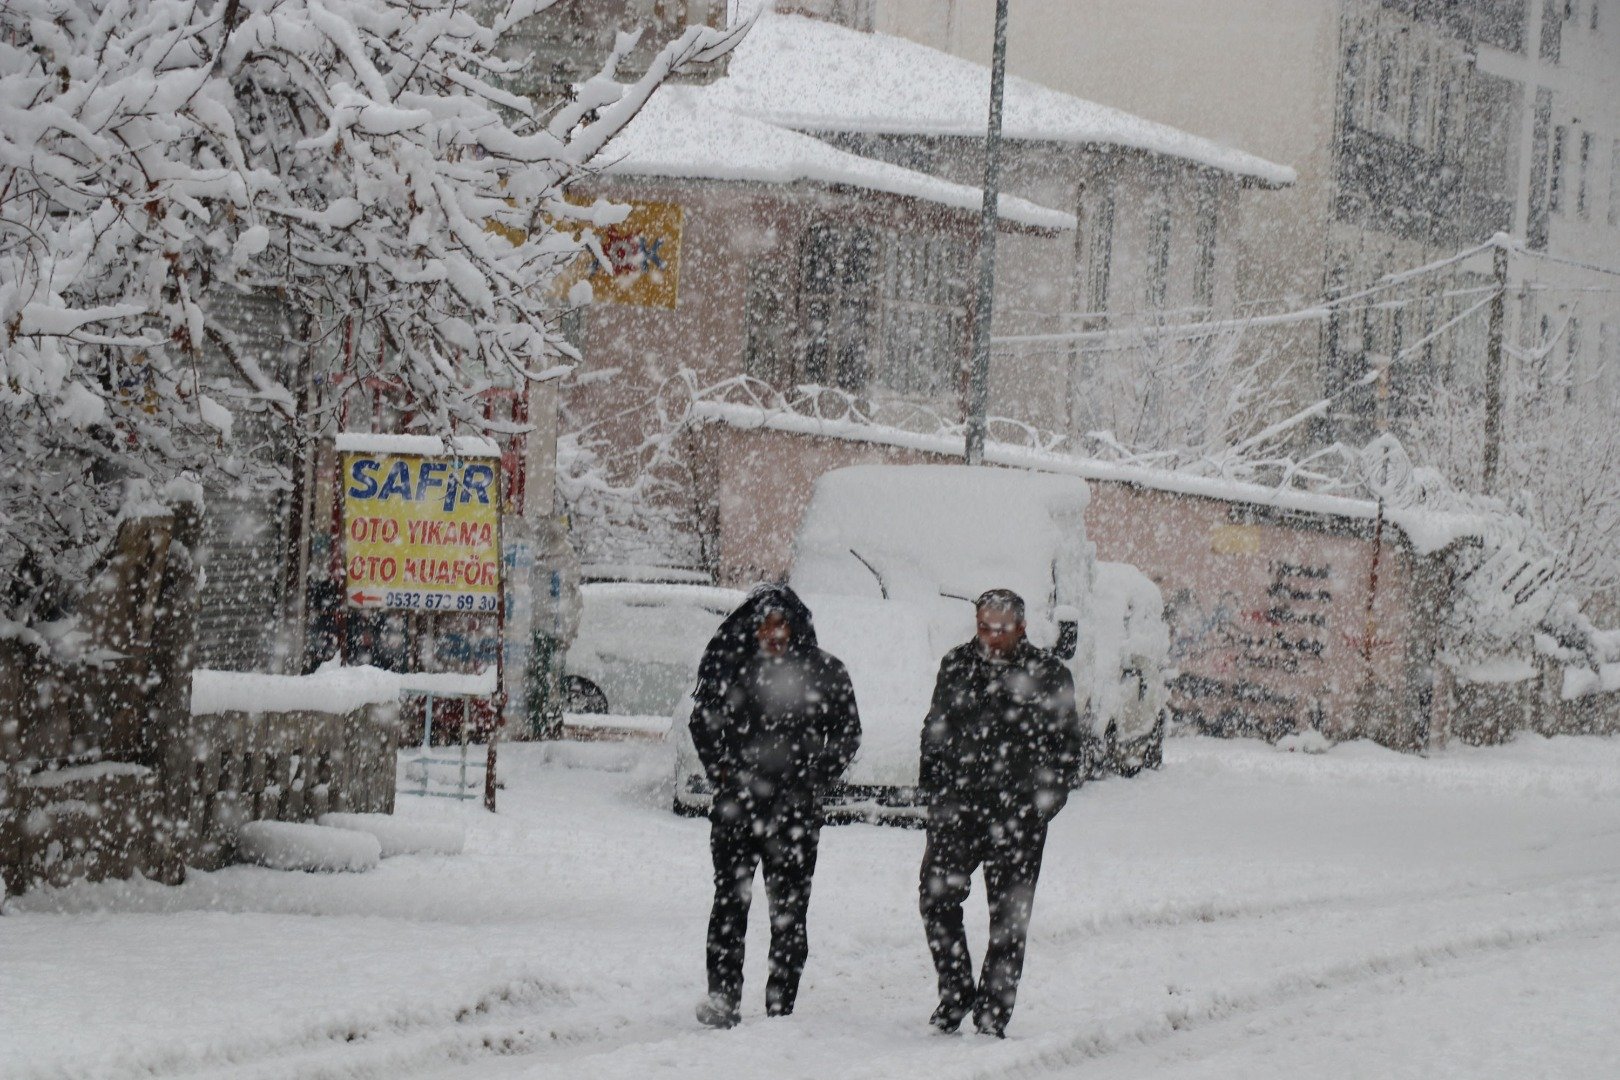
(889,559)
(638,645)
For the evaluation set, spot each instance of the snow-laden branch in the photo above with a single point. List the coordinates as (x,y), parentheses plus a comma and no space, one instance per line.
(357,160)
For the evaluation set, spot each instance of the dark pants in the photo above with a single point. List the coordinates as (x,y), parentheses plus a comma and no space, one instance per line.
(1008,843)
(782,836)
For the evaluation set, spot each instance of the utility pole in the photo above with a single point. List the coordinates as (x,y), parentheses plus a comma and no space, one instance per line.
(1493,365)
(979,377)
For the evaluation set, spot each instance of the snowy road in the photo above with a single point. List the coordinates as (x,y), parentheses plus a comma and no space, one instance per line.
(1245,913)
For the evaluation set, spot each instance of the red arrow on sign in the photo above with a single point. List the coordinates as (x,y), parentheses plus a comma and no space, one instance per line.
(365,598)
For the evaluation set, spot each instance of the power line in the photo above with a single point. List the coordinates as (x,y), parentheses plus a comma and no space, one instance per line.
(1314,313)
(1562,261)
(1127,337)
(1368,379)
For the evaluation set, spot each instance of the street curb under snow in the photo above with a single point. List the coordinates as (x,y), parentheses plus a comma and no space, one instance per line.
(289,845)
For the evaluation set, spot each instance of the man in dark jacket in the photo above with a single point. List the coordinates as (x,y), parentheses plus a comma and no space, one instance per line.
(1001,748)
(775,725)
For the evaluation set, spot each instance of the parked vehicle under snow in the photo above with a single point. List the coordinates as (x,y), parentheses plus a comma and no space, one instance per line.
(889,559)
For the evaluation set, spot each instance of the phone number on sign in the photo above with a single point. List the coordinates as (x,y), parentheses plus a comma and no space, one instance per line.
(429,601)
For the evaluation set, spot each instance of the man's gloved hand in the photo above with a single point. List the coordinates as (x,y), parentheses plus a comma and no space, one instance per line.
(1049,800)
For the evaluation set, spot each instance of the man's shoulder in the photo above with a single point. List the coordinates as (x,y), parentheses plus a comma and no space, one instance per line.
(961,655)
(1044,661)
(828,662)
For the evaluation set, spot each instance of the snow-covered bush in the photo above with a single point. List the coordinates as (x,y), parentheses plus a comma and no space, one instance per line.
(358,159)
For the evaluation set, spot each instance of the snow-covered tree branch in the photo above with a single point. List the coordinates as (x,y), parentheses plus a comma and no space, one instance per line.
(359,159)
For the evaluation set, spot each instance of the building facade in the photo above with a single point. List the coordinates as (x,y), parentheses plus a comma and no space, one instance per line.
(1417,127)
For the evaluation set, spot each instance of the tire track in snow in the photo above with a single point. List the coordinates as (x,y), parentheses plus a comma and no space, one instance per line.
(334,1048)
(1173,914)
(1148,1027)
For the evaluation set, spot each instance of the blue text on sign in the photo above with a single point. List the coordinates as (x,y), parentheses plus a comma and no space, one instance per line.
(433,482)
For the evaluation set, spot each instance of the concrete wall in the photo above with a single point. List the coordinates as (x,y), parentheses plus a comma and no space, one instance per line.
(104,772)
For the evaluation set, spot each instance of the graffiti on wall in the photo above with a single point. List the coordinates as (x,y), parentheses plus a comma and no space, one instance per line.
(1230,649)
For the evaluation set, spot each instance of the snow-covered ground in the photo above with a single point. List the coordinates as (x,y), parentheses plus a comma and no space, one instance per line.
(1244,913)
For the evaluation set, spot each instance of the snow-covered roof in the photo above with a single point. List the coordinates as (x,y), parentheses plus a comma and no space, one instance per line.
(682,132)
(816,76)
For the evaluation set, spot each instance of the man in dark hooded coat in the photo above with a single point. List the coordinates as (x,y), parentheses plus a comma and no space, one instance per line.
(1001,747)
(775,725)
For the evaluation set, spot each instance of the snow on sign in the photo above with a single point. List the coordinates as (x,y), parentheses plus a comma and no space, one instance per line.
(643,258)
(421,532)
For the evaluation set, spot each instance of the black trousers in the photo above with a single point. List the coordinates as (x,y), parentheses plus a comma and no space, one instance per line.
(1008,843)
(782,836)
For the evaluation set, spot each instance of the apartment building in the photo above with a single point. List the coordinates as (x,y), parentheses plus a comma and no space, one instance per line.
(1417,128)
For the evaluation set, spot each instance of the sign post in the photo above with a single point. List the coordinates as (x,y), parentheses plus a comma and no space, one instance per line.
(422,532)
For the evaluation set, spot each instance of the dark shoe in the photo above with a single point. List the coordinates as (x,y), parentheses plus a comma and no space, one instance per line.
(778,1010)
(947,1018)
(991,1028)
(717,1012)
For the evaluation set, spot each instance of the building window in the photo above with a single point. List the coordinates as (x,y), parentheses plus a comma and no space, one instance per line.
(1555,187)
(924,311)
(1536,226)
(1418,123)
(1552,30)
(839,266)
(768,310)
(1608,377)
(879,310)
(1208,230)
(1614,184)
(1582,209)
(1158,253)
(1572,358)
(1100,260)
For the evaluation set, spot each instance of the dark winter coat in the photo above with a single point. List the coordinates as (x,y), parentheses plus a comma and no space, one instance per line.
(1002,733)
(767,726)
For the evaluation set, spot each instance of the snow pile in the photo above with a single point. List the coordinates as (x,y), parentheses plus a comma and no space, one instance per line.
(817,76)
(682,133)
(418,445)
(290,845)
(1309,741)
(331,689)
(1507,583)
(397,836)
(1582,682)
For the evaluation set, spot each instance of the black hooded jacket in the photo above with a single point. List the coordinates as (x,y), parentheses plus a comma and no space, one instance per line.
(1006,733)
(763,725)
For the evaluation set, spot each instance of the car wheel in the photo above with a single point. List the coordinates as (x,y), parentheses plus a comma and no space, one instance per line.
(580,695)
(1128,760)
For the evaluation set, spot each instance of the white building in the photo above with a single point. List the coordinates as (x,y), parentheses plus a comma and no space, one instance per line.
(1417,128)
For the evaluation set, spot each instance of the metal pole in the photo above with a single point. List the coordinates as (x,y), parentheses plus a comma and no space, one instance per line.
(1493,367)
(979,376)
(427,739)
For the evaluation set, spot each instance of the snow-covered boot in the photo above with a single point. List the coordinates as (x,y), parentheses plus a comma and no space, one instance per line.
(717,1012)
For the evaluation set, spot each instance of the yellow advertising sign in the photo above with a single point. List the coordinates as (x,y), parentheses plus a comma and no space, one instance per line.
(421,533)
(643,258)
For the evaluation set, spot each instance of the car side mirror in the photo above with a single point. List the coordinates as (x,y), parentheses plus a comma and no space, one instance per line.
(1068,639)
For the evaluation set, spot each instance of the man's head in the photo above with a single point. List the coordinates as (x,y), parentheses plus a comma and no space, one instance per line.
(1000,614)
(774,632)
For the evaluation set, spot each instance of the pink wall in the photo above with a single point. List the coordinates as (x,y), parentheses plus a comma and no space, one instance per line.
(1267,612)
